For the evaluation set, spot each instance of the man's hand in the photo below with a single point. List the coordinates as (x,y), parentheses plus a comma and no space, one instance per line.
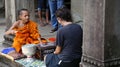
(57,50)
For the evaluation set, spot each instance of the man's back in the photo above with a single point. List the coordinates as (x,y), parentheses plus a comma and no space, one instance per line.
(70,39)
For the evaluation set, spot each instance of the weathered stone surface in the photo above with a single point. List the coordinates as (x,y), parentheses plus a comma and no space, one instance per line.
(2,9)
(101,40)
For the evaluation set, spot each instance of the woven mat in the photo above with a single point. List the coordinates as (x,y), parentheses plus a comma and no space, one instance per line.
(30,62)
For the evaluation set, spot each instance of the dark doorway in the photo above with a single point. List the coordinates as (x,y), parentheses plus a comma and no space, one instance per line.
(2,8)
(68,3)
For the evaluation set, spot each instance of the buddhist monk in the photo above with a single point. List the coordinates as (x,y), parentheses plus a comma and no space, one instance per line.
(25,31)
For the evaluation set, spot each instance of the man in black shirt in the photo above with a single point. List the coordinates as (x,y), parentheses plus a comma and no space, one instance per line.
(68,40)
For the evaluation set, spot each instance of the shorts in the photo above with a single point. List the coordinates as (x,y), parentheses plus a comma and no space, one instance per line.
(43,4)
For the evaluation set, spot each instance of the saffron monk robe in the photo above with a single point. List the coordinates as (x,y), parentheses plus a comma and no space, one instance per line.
(25,31)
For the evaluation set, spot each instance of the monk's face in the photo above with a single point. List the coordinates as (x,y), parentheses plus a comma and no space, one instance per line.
(24,16)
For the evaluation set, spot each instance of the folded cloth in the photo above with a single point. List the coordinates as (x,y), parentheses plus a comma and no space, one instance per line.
(16,55)
(7,50)
(52,60)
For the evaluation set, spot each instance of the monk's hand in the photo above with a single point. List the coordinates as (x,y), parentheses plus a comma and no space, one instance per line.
(13,31)
(40,41)
(7,32)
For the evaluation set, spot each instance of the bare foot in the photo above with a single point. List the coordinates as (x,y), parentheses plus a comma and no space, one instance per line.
(48,22)
(42,24)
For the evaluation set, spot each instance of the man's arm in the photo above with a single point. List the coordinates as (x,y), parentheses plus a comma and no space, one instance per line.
(57,50)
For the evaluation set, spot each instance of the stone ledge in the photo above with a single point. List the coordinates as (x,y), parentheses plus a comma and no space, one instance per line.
(2,21)
(99,63)
(92,61)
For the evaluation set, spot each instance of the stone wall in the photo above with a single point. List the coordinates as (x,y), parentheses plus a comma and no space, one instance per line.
(77,10)
(112,34)
(101,38)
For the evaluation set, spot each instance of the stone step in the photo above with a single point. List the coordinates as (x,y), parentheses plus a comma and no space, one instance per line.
(2,21)
(7,43)
(9,37)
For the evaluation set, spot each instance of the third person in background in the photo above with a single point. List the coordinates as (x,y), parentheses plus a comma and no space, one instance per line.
(43,4)
(54,5)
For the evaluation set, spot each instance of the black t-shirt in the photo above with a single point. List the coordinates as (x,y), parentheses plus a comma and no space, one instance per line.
(70,39)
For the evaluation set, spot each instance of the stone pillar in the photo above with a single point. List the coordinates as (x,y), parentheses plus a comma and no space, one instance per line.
(8,14)
(101,34)
(13,10)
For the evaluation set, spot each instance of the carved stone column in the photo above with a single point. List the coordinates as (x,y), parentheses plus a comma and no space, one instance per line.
(101,40)
(8,14)
(13,10)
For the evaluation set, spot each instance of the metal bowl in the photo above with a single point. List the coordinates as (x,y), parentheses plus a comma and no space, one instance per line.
(29,50)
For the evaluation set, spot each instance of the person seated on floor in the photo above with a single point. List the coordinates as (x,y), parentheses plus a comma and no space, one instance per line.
(25,31)
(68,50)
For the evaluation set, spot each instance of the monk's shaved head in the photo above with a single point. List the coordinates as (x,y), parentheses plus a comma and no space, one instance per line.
(20,11)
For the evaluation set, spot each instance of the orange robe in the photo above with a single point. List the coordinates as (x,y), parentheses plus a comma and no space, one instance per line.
(27,34)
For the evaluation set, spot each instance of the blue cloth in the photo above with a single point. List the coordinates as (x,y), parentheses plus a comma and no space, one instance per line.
(7,50)
(52,60)
(54,5)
